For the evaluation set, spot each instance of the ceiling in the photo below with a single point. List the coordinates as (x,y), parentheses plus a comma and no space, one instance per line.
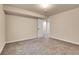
(52,10)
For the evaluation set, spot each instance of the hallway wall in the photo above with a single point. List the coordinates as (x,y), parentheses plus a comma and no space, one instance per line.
(65,26)
(20,28)
(2,28)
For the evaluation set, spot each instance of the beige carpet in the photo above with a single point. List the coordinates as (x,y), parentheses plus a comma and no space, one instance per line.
(40,47)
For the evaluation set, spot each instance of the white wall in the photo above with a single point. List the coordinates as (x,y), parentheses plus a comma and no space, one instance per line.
(20,28)
(65,26)
(18,11)
(2,28)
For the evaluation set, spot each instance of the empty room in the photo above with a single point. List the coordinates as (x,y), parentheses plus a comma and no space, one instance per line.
(39,29)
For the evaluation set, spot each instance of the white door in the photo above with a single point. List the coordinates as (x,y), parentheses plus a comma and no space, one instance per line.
(41,28)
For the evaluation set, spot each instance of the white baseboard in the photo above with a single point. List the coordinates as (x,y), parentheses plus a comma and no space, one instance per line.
(21,40)
(73,42)
(2,47)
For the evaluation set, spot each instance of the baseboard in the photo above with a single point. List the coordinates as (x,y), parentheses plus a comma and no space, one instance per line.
(21,40)
(2,47)
(72,42)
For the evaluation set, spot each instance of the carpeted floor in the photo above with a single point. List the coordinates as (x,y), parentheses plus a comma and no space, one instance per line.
(40,47)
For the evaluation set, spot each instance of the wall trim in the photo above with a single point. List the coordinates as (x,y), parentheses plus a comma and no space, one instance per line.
(68,41)
(21,40)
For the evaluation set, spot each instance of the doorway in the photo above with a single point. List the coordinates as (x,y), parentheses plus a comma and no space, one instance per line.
(43,28)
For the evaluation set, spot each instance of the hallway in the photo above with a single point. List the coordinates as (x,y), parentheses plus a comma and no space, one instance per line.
(40,47)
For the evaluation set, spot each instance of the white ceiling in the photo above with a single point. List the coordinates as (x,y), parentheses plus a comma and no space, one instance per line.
(53,9)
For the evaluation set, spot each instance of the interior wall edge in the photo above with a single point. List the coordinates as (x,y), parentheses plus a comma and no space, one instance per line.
(14,10)
(69,41)
(63,12)
(2,47)
(21,39)
(28,16)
